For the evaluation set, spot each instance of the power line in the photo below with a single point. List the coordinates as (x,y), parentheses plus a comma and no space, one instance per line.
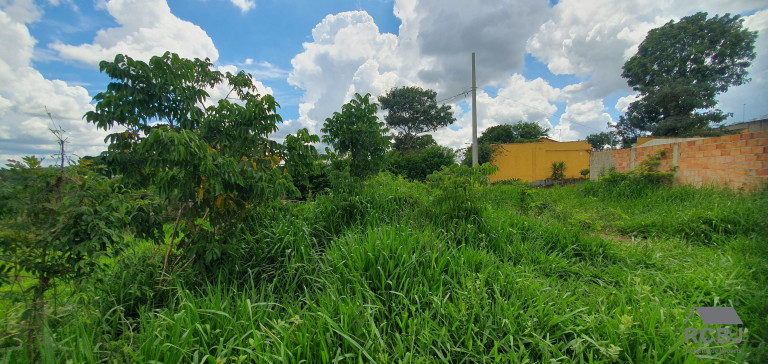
(464,93)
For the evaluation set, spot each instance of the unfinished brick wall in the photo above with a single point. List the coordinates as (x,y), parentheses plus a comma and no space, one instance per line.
(735,161)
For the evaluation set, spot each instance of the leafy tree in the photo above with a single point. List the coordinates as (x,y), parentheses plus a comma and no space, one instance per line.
(520,132)
(357,136)
(602,139)
(681,67)
(418,164)
(413,111)
(208,161)
(301,159)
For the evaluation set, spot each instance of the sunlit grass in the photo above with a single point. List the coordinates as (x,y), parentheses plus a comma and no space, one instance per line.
(565,274)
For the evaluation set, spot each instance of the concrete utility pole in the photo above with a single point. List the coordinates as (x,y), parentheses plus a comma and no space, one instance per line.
(474,114)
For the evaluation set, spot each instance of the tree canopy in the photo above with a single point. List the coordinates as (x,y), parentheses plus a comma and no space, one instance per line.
(602,140)
(520,132)
(681,67)
(412,111)
(358,136)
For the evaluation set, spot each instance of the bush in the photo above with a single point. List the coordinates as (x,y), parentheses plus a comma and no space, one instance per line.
(418,164)
(457,190)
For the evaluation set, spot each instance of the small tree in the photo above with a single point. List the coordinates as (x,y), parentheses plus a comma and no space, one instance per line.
(301,158)
(357,136)
(413,111)
(209,162)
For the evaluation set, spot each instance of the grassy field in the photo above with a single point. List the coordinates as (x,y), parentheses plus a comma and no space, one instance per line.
(393,271)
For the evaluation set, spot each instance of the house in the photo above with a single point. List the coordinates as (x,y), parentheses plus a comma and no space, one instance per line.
(532,162)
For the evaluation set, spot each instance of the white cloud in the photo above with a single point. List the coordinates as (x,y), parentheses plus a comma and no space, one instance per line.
(517,100)
(24,96)
(222,90)
(147,28)
(244,5)
(622,105)
(23,11)
(349,54)
(581,119)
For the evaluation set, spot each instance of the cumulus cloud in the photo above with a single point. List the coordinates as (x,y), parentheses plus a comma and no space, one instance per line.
(25,94)
(582,118)
(433,49)
(347,54)
(147,28)
(445,33)
(517,100)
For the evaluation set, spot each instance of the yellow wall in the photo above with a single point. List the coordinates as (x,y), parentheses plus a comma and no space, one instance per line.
(531,162)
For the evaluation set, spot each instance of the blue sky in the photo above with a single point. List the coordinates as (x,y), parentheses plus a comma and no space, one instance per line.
(553,62)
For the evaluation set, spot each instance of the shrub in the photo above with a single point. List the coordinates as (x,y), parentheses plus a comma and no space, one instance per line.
(558,171)
(418,164)
(456,191)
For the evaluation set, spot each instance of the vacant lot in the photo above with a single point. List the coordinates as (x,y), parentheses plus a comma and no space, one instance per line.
(390,271)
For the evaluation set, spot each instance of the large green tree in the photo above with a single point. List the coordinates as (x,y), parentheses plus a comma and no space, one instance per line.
(681,67)
(413,111)
(357,136)
(520,132)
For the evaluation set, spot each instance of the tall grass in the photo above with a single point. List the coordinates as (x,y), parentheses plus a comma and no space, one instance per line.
(372,274)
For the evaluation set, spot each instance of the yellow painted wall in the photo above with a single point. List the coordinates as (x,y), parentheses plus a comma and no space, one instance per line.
(531,162)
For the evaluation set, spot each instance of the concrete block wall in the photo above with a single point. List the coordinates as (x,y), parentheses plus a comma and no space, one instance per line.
(736,161)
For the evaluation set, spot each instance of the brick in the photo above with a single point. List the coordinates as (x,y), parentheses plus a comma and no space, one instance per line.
(761,172)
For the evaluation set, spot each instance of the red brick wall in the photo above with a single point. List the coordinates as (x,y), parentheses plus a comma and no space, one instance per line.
(735,161)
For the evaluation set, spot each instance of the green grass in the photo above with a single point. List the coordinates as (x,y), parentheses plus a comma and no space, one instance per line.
(567,274)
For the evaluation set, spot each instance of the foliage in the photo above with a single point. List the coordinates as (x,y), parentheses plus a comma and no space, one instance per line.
(520,132)
(209,161)
(457,189)
(603,140)
(582,276)
(412,111)
(558,171)
(357,136)
(679,70)
(405,143)
(57,224)
(301,159)
(418,164)
(635,183)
